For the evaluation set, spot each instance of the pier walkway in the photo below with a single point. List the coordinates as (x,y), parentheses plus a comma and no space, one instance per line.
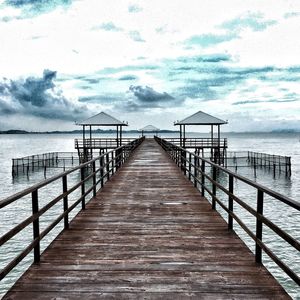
(148,234)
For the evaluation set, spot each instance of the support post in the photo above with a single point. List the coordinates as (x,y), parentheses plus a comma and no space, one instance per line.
(190,166)
(230,203)
(212,143)
(214,188)
(202,178)
(94,178)
(107,166)
(65,190)
(196,163)
(36,226)
(82,175)
(101,170)
(260,205)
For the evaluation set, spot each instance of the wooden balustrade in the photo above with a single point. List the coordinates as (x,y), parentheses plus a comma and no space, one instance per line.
(103,167)
(203,173)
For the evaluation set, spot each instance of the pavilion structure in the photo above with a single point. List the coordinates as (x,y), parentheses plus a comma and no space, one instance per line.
(149,128)
(217,146)
(88,144)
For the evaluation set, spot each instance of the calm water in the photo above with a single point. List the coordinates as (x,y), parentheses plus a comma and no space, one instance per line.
(12,146)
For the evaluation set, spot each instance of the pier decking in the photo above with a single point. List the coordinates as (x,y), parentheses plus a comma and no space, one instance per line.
(148,234)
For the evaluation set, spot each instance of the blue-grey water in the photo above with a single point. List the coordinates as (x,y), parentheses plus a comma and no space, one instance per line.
(288,144)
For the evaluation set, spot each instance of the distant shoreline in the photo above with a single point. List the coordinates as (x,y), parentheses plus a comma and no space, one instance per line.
(16,131)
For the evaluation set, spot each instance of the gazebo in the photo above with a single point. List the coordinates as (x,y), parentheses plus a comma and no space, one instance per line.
(87,144)
(202,118)
(149,128)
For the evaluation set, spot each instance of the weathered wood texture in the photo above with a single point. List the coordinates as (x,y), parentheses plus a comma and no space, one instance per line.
(147,235)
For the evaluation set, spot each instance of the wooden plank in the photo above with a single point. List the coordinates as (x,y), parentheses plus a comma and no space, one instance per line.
(147,234)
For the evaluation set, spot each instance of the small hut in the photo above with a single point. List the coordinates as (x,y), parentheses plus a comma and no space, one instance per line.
(201,118)
(88,143)
(149,128)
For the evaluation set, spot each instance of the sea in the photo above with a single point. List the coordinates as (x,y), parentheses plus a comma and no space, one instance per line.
(286,144)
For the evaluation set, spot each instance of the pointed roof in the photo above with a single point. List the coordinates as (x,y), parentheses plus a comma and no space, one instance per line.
(102,119)
(201,118)
(149,128)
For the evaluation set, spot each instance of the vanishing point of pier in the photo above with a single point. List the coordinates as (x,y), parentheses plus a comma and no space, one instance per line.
(147,234)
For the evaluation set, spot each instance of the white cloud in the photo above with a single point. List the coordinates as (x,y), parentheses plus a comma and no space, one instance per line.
(91,35)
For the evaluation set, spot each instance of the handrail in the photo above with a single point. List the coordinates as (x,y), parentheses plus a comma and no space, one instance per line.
(200,143)
(103,166)
(194,167)
(100,142)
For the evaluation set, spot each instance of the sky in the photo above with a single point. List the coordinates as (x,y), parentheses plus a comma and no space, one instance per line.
(149,62)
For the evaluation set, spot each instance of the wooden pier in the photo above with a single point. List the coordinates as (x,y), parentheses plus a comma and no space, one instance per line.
(148,234)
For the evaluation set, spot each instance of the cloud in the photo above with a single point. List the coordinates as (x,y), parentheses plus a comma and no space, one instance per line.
(134,8)
(233,27)
(291,15)
(128,77)
(210,39)
(148,94)
(110,26)
(264,101)
(38,96)
(32,8)
(254,21)
(101,98)
(135,36)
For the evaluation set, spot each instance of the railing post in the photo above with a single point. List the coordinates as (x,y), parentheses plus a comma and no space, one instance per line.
(82,187)
(190,166)
(101,170)
(65,190)
(112,163)
(202,178)
(36,226)
(94,178)
(260,205)
(107,166)
(196,163)
(230,203)
(214,188)
(183,161)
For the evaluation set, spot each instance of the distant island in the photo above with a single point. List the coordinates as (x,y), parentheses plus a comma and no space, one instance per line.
(17,131)
(20,131)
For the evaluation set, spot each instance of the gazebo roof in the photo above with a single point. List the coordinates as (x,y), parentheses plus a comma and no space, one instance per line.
(102,119)
(201,118)
(149,128)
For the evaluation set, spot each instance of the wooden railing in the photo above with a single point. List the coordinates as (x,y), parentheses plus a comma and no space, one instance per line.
(97,171)
(196,168)
(199,142)
(97,143)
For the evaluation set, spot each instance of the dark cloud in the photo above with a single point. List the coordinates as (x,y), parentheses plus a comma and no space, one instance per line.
(128,77)
(102,99)
(91,80)
(149,95)
(214,58)
(140,98)
(38,97)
